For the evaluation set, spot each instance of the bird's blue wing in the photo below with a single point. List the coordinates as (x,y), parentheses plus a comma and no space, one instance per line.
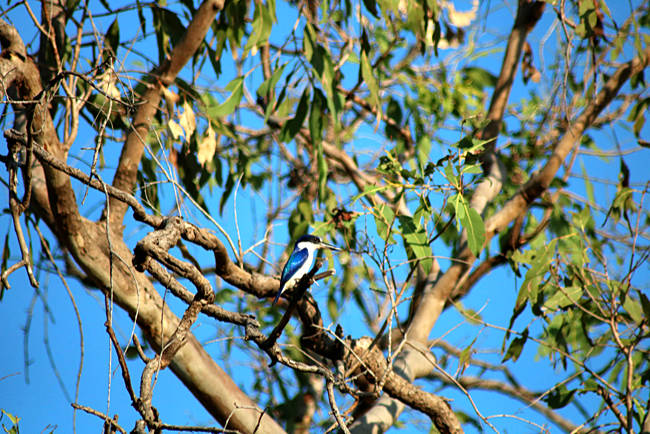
(296,260)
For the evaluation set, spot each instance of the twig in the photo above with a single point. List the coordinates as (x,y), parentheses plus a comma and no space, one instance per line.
(74,305)
(120,354)
(335,408)
(111,423)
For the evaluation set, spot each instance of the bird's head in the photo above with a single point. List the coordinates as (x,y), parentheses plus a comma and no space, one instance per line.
(312,242)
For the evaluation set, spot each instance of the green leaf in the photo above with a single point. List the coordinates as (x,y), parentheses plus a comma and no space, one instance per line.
(539,268)
(589,188)
(449,174)
(322,172)
(169,30)
(293,125)
(270,83)
(262,23)
(113,37)
(323,67)
(369,190)
(559,397)
(479,77)
(466,355)
(236,88)
(634,309)
(645,304)
(472,169)
(621,204)
(564,297)
(422,147)
(317,117)
(6,252)
(384,217)
(300,220)
(228,188)
(516,347)
(143,21)
(472,145)
(416,242)
(316,123)
(370,80)
(475,231)
(471,221)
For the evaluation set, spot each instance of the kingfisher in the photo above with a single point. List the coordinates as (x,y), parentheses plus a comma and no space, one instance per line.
(300,261)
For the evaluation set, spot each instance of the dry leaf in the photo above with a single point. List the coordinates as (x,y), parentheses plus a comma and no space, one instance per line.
(207,146)
(175,129)
(169,95)
(188,121)
(461,19)
(107,85)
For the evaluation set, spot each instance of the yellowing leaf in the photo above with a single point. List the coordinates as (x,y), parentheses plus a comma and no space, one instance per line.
(175,129)
(461,19)
(107,84)
(170,96)
(188,121)
(207,146)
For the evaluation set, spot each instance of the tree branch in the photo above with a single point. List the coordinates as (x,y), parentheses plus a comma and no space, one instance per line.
(376,370)
(163,76)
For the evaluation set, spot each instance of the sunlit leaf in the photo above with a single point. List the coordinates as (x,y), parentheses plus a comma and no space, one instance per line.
(207,146)
(416,241)
(564,297)
(175,129)
(236,88)
(187,120)
(471,221)
(371,81)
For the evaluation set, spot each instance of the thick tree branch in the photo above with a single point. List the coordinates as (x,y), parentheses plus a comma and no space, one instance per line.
(379,372)
(104,257)
(163,76)
(22,78)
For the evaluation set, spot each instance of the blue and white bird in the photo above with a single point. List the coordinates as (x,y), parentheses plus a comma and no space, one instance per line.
(300,261)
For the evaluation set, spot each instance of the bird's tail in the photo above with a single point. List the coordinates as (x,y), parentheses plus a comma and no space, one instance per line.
(277,297)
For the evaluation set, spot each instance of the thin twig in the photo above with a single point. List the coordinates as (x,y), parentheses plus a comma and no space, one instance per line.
(335,408)
(112,423)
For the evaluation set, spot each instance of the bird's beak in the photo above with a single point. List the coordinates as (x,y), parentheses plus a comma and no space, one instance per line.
(324,245)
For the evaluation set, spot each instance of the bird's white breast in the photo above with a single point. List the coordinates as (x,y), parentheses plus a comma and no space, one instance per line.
(304,268)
